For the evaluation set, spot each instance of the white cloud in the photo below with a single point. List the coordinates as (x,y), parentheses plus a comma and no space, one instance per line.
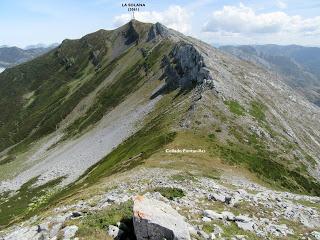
(281,4)
(175,17)
(244,20)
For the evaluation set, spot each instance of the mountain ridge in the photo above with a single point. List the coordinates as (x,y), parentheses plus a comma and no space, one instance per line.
(297,64)
(113,101)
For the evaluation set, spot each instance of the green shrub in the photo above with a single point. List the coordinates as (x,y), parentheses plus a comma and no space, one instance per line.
(235,107)
(110,216)
(211,136)
(257,110)
(170,193)
(94,226)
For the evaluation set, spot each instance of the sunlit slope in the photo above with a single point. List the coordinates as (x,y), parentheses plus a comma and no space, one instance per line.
(117,99)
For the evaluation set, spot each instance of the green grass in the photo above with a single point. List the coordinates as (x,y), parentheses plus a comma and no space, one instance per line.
(7,159)
(22,204)
(208,228)
(109,216)
(48,78)
(235,107)
(132,152)
(50,81)
(59,80)
(170,193)
(311,160)
(228,230)
(251,152)
(183,177)
(153,57)
(232,229)
(126,83)
(211,136)
(129,154)
(257,110)
(110,97)
(98,222)
(213,174)
(265,165)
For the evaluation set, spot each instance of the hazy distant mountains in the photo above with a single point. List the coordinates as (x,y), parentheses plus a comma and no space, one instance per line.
(11,56)
(299,65)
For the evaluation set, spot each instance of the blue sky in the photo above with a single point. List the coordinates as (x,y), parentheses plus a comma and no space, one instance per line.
(27,22)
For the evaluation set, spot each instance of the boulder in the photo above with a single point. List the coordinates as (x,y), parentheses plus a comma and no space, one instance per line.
(212,214)
(55,230)
(206,219)
(245,223)
(217,197)
(223,215)
(69,231)
(278,230)
(220,198)
(156,220)
(247,226)
(23,233)
(228,215)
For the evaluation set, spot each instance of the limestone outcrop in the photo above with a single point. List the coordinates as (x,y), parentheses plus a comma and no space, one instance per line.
(157,220)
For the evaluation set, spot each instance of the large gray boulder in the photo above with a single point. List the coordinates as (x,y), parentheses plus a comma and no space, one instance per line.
(156,220)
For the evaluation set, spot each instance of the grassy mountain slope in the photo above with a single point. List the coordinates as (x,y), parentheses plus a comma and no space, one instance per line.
(243,116)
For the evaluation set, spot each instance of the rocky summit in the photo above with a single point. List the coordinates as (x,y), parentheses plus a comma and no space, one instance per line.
(144,133)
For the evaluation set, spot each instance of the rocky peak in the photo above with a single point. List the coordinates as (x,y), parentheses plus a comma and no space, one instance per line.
(131,33)
(157,30)
(187,66)
(190,64)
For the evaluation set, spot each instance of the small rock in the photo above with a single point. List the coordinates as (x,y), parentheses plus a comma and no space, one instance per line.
(239,237)
(115,232)
(316,235)
(70,231)
(206,219)
(242,218)
(111,199)
(192,229)
(203,234)
(217,231)
(55,229)
(212,214)
(217,197)
(43,228)
(235,200)
(247,226)
(212,236)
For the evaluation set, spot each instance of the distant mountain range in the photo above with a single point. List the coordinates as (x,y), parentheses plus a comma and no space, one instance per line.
(297,64)
(11,56)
